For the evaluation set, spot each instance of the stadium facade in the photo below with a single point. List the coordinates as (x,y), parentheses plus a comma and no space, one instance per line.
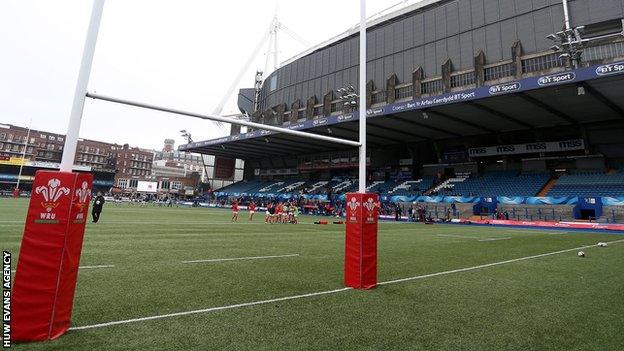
(454,87)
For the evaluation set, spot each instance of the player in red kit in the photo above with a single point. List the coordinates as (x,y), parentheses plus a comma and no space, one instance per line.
(234,211)
(252,209)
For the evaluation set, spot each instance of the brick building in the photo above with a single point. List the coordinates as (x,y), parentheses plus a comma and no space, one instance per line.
(41,146)
(113,164)
(133,164)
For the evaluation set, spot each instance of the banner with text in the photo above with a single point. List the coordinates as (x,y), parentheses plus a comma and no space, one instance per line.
(530,148)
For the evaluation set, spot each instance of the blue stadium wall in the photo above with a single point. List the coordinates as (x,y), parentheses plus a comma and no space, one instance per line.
(454,31)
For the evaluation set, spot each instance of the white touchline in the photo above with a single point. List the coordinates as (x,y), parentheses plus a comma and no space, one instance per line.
(263,302)
(495,239)
(88,267)
(240,258)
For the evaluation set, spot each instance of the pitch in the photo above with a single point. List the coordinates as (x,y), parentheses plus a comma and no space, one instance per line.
(253,286)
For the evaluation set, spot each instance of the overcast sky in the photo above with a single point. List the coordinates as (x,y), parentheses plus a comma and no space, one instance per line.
(182,54)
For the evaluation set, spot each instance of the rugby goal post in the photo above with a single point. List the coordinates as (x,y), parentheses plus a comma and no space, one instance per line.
(47,269)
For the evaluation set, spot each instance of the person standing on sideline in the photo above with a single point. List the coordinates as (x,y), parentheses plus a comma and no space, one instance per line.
(98,204)
(234,211)
(252,209)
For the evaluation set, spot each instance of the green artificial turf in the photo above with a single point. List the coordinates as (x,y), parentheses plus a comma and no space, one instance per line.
(557,302)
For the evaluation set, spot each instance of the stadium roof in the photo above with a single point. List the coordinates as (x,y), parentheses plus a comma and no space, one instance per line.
(526,104)
(376,19)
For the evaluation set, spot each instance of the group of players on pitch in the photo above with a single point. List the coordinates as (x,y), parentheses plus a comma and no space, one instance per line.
(281,212)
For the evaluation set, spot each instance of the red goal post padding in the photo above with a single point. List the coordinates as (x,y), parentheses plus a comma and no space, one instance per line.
(360,268)
(45,280)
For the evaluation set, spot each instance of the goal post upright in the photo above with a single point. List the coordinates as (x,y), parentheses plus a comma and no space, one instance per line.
(47,268)
(362,209)
(362,97)
(75,118)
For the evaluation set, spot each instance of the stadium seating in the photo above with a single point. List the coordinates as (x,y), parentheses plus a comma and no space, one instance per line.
(589,184)
(410,187)
(491,184)
(498,183)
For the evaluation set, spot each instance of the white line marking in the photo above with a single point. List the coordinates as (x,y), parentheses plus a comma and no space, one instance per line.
(262,302)
(472,237)
(456,236)
(212,309)
(88,267)
(495,239)
(101,266)
(240,258)
(491,264)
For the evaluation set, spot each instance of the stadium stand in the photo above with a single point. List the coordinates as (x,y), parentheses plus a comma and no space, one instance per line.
(411,187)
(589,184)
(498,183)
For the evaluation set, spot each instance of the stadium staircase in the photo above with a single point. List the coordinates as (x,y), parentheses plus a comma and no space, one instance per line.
(316,186)
(448,184)
(404,187)
(374,186)
(340,187)
(291,187)
(268,188)
(548,186)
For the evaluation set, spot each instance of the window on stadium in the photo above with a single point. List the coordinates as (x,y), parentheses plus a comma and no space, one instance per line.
(378,97)
(403,92)
(602,52)
(432,87)
(462,79)
(318,110)
(542,63)
(500,71)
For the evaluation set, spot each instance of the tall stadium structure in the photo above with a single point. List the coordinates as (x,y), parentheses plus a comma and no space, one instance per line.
(453,86)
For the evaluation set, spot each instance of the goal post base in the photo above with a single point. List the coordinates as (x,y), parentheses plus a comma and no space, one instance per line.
(47,269)
(360,267)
